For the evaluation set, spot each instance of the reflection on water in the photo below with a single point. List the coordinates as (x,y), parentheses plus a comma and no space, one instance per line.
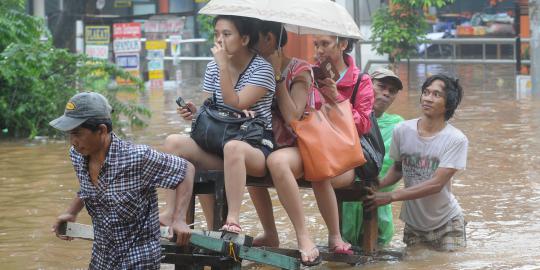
(499,191)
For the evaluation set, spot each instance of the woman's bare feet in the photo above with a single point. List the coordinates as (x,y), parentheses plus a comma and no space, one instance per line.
(308,251)
(266,240)
(337,245)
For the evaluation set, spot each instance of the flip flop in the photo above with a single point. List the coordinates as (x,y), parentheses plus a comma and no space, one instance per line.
(340,249)
(317,260)
(227,228)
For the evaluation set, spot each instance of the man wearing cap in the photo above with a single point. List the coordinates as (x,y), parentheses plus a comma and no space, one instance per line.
(386,85)
(118,182)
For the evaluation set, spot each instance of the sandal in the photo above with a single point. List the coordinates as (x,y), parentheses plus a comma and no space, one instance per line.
(343,248)
(231,228)
(317,260)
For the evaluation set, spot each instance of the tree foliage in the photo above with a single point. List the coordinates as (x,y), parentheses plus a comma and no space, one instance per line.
(399,28)
(36,79)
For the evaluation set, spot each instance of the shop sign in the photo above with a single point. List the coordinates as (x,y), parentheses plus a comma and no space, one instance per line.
(127,30)
(156,45)
(121,81)
(155,64)
(171,25)
(155,54)
(127,61)
(126,45)
(97,34)
(97,51)
(155,74)
(122,3)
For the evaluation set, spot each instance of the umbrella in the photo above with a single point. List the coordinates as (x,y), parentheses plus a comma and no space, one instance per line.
(319,17)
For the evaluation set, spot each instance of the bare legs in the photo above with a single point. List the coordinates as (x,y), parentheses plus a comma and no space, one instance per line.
(185,147)
(263,205)
(327,202)
(285,166)
(240,159)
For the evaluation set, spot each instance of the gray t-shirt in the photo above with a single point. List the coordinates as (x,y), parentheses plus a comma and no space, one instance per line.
(420,157)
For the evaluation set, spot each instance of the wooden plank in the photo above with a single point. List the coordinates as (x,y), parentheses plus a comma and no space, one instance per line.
(371,230)
(269,258)
(238,252)
(76,230)
(357,258)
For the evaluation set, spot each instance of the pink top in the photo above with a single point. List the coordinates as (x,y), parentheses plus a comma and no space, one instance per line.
(283,133)
(363,104)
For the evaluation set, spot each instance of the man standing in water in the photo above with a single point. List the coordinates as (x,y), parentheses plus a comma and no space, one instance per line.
(428,151)
(386,86)
(118,182)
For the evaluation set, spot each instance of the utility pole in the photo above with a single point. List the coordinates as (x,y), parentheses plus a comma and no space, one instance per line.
(534,17)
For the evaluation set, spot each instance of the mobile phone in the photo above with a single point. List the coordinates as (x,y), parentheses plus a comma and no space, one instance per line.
(182,104)
(318,74)
(329,70)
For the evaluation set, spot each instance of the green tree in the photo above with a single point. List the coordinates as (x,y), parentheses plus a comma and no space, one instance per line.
(36,79)
(399,28)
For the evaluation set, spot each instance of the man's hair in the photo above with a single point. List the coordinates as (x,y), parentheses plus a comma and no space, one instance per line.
(275,28)
(93,124)
(245,26)
(452,90)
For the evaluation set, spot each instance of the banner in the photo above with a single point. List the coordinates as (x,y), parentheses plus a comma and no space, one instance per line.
(97,51)
(126,45)
(127,30)
(97,34)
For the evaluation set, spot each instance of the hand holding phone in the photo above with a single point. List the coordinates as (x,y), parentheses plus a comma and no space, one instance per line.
(186,110)
(325,70)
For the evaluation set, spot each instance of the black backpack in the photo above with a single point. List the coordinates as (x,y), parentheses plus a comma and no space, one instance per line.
(372,146)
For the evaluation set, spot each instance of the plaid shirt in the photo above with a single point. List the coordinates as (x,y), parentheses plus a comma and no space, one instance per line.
(123,205)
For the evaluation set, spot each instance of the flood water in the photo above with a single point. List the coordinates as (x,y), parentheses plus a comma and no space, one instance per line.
(499,192)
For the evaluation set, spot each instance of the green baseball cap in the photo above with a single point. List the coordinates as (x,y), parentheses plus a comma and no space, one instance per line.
(80,108)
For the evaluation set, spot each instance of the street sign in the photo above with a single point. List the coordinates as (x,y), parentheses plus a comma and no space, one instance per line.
(175,45)
(97,34)
(126,45)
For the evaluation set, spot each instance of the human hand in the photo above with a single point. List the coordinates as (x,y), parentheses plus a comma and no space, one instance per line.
(187,112)
(182,232)
(62,219)
(376,199)
(220,53)
(249,113)
(328,89)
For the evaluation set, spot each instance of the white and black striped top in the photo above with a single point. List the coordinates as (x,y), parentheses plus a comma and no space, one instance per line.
(258,73)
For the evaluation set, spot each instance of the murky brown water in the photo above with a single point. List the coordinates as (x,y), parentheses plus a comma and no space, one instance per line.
(499,191)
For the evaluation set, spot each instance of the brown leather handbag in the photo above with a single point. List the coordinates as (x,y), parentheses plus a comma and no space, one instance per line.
(328,141)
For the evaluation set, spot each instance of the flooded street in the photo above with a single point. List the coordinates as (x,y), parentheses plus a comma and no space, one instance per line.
(499,192)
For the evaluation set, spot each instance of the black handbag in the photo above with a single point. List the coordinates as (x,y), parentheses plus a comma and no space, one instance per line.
(216,124)
(372,146)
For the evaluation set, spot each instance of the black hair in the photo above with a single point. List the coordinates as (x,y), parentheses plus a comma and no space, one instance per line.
(245,26)
(453,92)
(93,124)
(350,45)
(275,28)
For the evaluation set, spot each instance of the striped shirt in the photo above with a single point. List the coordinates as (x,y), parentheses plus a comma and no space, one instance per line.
(124,206)
(258,73)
